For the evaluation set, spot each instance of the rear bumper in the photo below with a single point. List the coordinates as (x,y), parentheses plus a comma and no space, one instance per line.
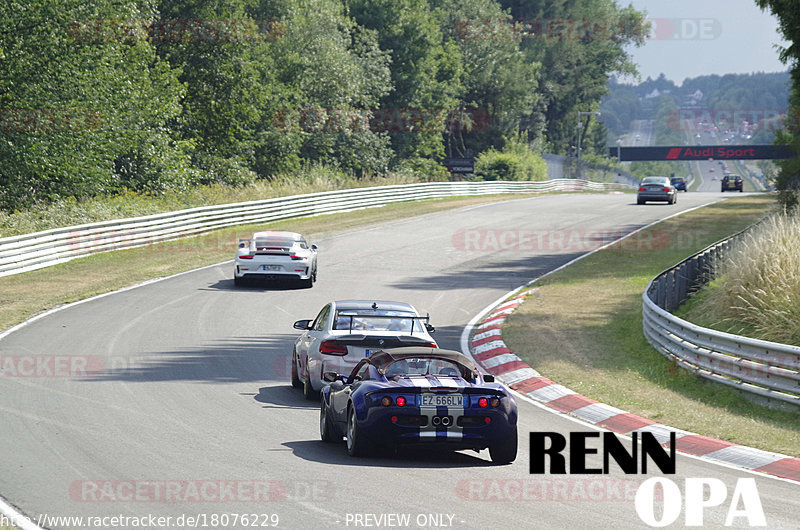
(272,275)
(666,197)
(477,434)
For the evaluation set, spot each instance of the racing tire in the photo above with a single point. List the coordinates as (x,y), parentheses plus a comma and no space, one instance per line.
(238,282)
(327,431)
(356,444)
(639,201)
(308,390)
(296,382)
(504,452)
(310,281)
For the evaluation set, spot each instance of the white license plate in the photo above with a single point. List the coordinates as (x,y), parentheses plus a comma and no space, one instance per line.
(271,267)
(441,400)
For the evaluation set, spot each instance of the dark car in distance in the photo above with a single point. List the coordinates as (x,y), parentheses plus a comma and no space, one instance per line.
(679,183)
(419,396)
(656,189)
(732,183)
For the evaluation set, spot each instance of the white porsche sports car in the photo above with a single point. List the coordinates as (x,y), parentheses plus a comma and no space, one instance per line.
(276,255)
(346,331)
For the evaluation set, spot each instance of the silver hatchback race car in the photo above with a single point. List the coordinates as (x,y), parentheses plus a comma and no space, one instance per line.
(275,255)
(346,331)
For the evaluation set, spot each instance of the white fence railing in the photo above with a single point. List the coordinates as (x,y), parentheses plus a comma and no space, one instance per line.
(767,369)
(42,249)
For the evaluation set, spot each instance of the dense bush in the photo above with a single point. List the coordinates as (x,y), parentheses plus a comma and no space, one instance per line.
(516,161)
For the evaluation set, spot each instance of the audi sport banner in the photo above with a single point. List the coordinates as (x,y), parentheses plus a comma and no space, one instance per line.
(703,152)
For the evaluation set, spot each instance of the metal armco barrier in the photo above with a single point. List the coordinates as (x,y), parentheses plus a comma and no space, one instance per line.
(767,369)
(43,249)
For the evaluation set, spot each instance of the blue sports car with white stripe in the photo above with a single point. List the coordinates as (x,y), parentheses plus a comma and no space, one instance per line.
(418,395)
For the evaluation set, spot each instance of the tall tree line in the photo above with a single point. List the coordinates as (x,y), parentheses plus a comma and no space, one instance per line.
(104,95)
(788,13)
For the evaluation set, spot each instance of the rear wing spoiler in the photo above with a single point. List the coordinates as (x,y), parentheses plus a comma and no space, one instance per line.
(426,318)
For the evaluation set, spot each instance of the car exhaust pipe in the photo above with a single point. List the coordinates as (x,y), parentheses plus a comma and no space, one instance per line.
(441,420)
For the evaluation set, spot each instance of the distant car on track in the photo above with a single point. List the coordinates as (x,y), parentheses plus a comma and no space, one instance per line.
(275,255)
(732,183)
(346,331)
(656,189)
(679,183)
(419,396)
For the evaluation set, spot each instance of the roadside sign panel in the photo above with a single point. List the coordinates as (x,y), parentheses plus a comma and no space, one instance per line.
(703,152)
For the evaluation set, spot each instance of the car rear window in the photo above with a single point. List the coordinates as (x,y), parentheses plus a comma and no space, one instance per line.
(654,180)
(426,366)
(375,320)
(263,244)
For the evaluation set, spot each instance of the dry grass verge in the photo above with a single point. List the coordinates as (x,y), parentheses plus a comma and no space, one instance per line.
(25,295)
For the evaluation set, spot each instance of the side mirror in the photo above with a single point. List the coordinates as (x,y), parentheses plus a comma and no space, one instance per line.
(313,247)
(488,378)
(331,377)
(430,328)
(302,324)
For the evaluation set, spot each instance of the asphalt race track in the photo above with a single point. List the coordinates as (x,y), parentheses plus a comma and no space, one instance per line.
(190,412)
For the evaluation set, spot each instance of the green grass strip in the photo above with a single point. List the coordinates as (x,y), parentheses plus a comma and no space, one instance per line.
(582,327)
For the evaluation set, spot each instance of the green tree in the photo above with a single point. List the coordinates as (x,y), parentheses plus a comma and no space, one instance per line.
(85,102)
(579,43)
(788,13)
(425,70)
(223,60)
(332,74)
(499,85)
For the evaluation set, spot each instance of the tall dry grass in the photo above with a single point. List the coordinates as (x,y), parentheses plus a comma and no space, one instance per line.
(758,292)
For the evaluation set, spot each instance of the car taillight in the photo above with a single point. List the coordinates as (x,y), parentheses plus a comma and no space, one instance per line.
(246,256)
(642,189)
(666,189)
(386,401)
(401,401)
(483,402)
(495,402)
(331,347)
(430,345)
(297,257)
